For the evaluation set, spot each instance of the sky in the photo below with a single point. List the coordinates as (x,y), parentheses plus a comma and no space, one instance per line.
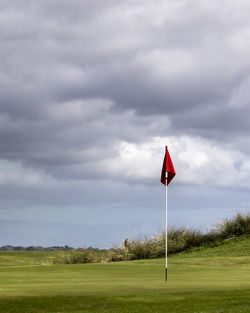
(91,91)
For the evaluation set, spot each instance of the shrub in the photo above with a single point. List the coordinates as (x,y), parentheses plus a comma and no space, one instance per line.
(78,256)
(236,226)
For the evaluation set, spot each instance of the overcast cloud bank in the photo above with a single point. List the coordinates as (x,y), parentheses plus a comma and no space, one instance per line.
(92,91)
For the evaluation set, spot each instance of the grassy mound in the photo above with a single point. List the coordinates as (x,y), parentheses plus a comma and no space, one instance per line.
(179,240)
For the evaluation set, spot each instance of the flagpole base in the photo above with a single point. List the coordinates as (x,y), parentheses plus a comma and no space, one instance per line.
(166,275)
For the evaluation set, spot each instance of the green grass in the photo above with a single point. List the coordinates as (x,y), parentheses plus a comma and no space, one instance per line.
(24,258)
(204,280)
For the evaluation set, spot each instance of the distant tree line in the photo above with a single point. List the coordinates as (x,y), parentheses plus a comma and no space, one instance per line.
(35,248)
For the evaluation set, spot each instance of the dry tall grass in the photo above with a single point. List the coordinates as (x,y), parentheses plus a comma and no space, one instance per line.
(179,239)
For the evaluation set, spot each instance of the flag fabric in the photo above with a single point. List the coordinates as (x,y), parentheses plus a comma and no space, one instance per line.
(167,167)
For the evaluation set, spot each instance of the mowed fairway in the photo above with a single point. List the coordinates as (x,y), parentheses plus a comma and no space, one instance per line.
(213,280)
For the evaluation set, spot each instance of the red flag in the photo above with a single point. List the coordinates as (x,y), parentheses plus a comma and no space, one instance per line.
(167,167)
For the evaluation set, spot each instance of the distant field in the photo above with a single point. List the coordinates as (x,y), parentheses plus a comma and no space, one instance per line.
(206,280)
(24,258)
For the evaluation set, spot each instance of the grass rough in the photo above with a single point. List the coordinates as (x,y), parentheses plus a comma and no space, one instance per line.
(179,240)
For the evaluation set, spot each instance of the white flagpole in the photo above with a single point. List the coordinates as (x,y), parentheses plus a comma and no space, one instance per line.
(166,247)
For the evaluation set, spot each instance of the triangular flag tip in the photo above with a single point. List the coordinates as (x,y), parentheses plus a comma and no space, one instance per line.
(167,167)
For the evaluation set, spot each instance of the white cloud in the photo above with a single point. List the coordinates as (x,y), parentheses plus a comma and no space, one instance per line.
(197,161)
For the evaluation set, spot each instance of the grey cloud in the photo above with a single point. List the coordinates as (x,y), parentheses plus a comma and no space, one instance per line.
(164,73)
(79,77)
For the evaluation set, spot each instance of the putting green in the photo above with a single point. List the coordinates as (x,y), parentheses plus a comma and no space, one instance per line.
(206,280)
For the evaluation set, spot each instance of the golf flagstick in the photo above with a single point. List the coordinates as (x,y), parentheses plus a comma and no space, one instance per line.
(166,246)
(167,174)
